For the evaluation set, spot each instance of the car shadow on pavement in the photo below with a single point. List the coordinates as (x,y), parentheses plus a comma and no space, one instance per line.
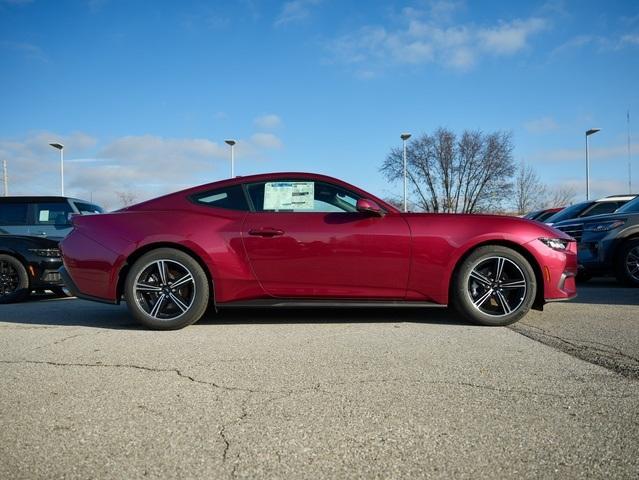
(605,291)
(47,310)
(238,316)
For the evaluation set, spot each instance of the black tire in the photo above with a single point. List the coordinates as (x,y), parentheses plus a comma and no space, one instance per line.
(182,299)
(14,280)
(480,297)
(627,263)
(583,277)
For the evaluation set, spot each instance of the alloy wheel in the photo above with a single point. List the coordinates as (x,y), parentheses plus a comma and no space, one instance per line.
(165,289)
(497,286)
(9,278)
(632,263)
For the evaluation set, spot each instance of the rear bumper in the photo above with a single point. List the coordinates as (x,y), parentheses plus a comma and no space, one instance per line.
(75,291)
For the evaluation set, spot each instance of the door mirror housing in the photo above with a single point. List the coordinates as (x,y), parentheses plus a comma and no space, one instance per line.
(364,205)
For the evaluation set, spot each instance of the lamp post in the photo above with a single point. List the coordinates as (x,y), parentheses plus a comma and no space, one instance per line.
(60,147)
(405,136)
(592,131)
(232,143)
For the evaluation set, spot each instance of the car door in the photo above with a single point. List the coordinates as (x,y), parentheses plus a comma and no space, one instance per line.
(305,238)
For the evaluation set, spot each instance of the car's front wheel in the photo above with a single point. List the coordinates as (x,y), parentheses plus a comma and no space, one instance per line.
(494,286)
(14,280)
(627,264)
(166,289)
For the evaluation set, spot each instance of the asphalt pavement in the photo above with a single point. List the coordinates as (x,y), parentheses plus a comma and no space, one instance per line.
(86,393)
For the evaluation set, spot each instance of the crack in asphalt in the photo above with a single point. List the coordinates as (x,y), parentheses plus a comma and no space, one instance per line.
(590,354)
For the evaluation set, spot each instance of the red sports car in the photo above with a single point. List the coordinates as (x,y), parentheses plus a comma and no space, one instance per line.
(300,239)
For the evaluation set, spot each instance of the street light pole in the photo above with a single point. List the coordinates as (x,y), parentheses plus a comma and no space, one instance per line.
(592,131)
(5,178)
(405,136)
(232,143)
(60,147)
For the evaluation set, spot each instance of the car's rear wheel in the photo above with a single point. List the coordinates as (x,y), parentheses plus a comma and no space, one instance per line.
(166,289)
(494,286)
(14,280)
(627,264)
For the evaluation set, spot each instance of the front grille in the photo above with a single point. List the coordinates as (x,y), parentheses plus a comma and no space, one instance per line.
(575,230)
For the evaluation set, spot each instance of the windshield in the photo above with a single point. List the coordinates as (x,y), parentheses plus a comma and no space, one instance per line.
(630,207)
(569,212)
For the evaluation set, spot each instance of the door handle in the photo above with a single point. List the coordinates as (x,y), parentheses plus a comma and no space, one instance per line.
(266,232)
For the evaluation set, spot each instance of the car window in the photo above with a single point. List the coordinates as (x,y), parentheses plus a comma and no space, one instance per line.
(87,208)
(301,196)
(53,213)
(601,208)
(13,213)
(230,198)
(630,207)
(569,212)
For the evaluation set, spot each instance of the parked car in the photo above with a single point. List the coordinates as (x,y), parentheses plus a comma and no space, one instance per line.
(608,243)
(27,264)
(300,239)
(590,208)
(41,216)
(542,215)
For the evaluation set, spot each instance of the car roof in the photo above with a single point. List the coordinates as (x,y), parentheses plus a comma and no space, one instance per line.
(238,180)
(617,198)
(37,198)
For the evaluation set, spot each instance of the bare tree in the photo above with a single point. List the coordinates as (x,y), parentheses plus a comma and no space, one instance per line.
(560,197)
(126,198)
(530,192)
(447,173)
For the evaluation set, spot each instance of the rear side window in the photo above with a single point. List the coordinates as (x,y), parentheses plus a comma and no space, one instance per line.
(87,208)
(13,213)
(602,207)
(230,198)
(52,213)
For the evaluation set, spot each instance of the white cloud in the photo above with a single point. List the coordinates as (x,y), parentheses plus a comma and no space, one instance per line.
(295,11)
(429,36)
(611,152)
(266,140)
(509,38)
(541,125)
(147,165)
(268,121)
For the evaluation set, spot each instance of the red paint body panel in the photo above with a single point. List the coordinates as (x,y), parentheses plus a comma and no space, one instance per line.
(330,255)
(317,255)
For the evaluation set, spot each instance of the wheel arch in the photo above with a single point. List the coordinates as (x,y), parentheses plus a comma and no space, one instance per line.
(136,254)
(538,304)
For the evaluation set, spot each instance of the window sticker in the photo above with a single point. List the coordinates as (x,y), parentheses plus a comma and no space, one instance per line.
(44,215)
(289,195)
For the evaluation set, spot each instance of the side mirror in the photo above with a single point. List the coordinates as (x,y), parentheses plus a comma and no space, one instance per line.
(364,205)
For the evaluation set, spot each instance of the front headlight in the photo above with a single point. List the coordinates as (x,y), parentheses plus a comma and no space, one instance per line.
(556,243)
(603,226)
(46,252)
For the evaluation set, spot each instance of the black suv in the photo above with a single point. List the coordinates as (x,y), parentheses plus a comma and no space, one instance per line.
(48,217)
(608,243)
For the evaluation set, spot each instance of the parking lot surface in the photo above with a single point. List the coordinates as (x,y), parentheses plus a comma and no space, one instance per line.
(86,393)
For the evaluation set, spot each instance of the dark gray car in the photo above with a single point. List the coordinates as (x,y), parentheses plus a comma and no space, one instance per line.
(608,243)
(48,217)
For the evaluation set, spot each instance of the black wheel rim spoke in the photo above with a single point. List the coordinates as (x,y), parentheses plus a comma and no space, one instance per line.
(632,263)
(497,286)
(165,289)
(9,278)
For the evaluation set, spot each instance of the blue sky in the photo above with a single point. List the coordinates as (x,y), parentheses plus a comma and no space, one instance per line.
(143,93)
